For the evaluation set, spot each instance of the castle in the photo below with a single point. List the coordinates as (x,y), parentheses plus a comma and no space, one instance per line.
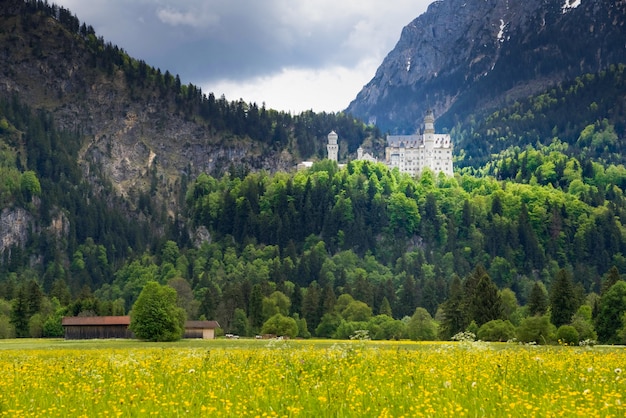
(410,153)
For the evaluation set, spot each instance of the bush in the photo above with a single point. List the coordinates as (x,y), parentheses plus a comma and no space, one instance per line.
(496,330)
(7,330)
(537,329)
(421,326)
(280,325)
(347,328)
(52,327)
(328,325)
(35,326)
(567,334)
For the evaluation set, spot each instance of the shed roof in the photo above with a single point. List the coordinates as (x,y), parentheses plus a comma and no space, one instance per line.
(201,325)
(95,320)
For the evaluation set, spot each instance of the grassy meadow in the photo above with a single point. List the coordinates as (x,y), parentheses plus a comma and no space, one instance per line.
(308,378)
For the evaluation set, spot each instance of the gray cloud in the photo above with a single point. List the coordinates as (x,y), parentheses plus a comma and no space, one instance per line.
(239,40)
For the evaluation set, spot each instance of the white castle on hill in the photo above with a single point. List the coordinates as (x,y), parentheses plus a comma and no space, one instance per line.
(410,153)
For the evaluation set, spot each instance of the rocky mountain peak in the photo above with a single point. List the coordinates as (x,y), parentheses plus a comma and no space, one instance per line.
(457,47)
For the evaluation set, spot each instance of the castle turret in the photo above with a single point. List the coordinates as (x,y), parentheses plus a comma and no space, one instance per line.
(332,147)
(429,123)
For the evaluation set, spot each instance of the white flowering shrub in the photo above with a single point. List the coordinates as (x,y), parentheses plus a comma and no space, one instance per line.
(361,335)
(587,343)
(465,336)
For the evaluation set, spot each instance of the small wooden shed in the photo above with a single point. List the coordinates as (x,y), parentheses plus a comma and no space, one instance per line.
(201,329)
(89,327)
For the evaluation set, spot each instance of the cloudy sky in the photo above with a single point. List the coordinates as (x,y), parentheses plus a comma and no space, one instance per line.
(293,55)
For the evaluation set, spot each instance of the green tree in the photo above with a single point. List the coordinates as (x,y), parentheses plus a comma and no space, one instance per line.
(385,307)
(185,297)
(567,334)
(403,214)
(611,277)
(563,300)
(509,304)
(275,303)
(537,329)
(52,327)
(538,300)
(421,326)
(30,186)
(35,326)
(303,329)
(496,330)
(311,305)
(328,325)
(393,329)
(255,308)
(155,315)
(583,323)
(611,313)
(357,311)
(454,318)
(486,304)
(20,314)
(240,324)
(7,330)
(281,325)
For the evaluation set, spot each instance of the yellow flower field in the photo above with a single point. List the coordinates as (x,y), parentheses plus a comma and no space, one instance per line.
(304,378)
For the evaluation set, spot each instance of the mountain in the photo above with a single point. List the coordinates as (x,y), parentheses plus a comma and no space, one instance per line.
(105,144)
(465,58)
(134,120)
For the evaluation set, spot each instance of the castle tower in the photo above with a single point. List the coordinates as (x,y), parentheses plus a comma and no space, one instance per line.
(429,127)
(332,147)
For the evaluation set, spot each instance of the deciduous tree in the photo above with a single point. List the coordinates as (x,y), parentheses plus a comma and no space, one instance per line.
(155,315)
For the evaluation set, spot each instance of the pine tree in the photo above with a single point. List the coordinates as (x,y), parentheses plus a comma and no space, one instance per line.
(563,300)
(310,305)
(469,290)
(255,308)
(612,276)
(611,313)
(385,308)
(19,314)
(538,300)
(486,304)
(455,319)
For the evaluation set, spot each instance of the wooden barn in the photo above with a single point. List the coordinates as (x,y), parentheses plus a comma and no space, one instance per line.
(201,329)
(89,327)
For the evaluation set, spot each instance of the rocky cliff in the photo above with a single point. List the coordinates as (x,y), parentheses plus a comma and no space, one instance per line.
(131,133)
(465,56)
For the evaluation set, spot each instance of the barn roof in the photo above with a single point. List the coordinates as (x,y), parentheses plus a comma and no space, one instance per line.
(201,325)
(95,320)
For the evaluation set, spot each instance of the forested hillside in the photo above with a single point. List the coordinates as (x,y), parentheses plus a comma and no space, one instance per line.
(588,114)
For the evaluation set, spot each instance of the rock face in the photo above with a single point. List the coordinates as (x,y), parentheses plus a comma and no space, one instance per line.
(15,224)
(130,133)
(465,56)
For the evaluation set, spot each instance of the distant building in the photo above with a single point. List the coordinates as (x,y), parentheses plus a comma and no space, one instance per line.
(332,147)
(201,329)
(90,327)
(412,153)
(365,156)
